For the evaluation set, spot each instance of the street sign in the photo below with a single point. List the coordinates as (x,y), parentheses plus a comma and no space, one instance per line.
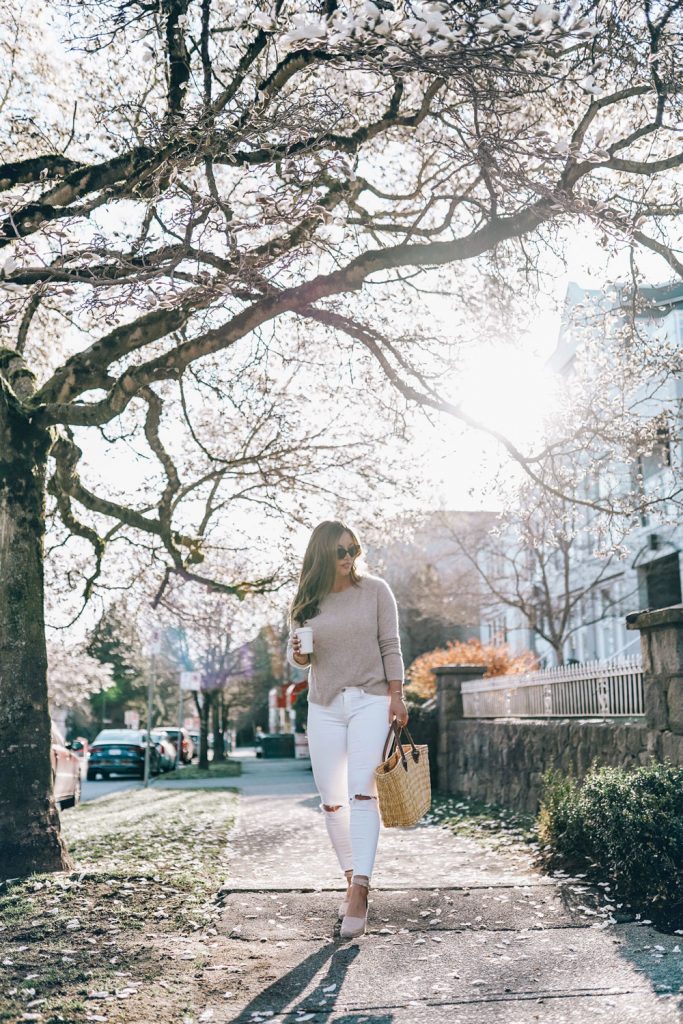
(190,680)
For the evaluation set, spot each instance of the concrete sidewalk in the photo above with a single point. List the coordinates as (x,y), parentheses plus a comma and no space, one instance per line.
(458,932)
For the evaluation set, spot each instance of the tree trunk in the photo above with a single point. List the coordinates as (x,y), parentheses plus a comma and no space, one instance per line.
(30,837)
(218,728)
(558,647)
(207,701)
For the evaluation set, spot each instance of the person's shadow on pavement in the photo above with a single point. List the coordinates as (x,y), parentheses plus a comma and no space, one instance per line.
(287,993)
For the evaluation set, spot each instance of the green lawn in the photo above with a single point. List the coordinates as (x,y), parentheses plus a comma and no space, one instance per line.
(222,770)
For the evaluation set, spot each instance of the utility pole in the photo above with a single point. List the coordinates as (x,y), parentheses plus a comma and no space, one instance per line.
(154,650)
(180,720)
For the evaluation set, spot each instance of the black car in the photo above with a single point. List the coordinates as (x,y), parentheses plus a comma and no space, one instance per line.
(122,752)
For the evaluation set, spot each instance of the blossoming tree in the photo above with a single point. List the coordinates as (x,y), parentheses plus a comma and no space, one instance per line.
(192,187)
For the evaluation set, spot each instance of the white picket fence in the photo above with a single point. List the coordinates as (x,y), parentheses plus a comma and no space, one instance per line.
(593,689)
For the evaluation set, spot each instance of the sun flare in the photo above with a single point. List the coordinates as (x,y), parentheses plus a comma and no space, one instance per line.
(508,391)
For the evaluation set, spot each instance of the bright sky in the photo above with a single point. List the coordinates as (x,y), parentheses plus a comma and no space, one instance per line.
(509,387)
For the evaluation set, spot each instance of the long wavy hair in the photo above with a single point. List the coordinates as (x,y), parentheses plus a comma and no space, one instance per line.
(319,569)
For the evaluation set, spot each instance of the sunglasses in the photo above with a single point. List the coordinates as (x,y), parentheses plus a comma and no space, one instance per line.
(351,552)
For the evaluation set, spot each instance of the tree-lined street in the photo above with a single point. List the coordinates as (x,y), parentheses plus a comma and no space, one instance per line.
(241,202)
(405,267)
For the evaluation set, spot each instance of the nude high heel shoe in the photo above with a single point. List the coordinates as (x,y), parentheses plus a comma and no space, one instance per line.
(353,926)
(344,905)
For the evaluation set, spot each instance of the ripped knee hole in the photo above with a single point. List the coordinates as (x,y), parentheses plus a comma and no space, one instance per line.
(337,807)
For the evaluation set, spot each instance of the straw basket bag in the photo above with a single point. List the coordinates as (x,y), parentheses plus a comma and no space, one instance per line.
(403,785)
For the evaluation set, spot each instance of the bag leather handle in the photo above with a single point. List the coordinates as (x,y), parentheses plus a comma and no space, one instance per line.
(392,734)
(395,734)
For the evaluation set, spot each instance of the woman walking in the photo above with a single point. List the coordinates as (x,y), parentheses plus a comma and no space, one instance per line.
(355,692)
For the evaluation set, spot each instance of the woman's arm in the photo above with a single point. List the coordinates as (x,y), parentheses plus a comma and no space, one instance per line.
(388,637)
(390,649)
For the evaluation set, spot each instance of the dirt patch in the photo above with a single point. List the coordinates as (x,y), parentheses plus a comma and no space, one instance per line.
(127,936)
(496,827)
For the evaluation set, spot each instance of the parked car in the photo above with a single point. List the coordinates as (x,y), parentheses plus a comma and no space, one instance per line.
(122,752)
(166,748)
(183,737)
(196,740)
(66,771)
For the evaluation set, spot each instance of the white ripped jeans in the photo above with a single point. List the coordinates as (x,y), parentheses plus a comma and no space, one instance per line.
(345,740)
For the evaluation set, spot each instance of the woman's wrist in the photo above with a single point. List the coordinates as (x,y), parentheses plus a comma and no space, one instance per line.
(396,689)
(306,658)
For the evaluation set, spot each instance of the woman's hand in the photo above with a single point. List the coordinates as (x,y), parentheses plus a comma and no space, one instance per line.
(301,659)
(398,710)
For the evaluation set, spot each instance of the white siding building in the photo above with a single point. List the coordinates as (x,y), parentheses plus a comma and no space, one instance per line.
(649,575)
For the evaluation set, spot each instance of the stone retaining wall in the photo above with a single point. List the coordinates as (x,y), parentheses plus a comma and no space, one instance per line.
(502,760)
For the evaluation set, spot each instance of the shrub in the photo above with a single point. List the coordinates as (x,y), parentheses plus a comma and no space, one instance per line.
(620,825)
(560,825)
(499,661)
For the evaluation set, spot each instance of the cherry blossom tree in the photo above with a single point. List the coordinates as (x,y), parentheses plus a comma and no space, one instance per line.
(204,639)
(73,675)
(221,227)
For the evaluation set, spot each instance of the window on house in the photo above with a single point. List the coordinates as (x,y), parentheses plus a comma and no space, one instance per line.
(498,633)
(662,579)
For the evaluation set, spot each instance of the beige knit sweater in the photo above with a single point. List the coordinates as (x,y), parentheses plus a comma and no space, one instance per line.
(355,641)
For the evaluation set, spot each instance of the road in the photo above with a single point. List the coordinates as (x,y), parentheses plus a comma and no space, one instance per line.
(93,790)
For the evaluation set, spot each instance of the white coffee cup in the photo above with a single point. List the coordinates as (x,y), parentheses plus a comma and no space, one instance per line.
(305,634)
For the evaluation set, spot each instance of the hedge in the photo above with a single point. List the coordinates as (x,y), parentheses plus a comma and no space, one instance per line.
(623,826)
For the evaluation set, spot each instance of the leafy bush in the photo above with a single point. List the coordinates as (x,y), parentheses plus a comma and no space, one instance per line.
(499,661)
(621,825)
(560,825)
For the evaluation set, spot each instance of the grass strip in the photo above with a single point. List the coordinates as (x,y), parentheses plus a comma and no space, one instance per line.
(498,827)
(222,770)
(126,932)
